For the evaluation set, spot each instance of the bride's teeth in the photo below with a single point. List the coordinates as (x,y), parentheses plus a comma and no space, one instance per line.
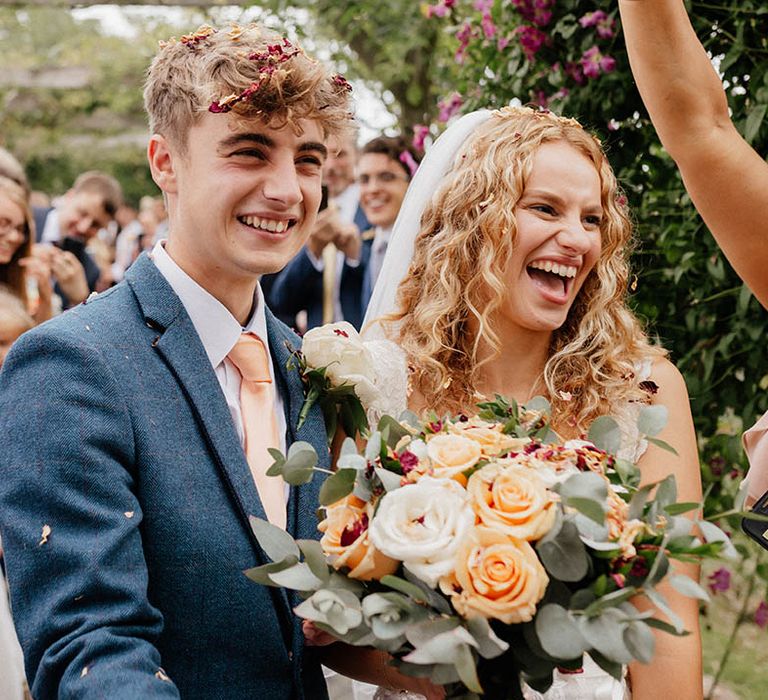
(547,266)
(555,269)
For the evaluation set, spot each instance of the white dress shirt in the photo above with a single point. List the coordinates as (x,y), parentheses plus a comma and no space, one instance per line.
(219,330)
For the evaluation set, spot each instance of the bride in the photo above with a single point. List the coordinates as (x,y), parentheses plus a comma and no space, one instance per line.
(507,273)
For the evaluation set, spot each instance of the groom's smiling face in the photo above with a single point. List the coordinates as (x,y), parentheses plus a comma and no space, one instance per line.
(243,196)
(558,238)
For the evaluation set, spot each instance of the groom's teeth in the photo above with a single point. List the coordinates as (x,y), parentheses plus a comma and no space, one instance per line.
(271,225)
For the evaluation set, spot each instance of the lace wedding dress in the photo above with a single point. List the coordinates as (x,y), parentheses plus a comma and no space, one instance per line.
(591,683)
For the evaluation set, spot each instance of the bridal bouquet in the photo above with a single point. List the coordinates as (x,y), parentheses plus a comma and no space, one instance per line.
(480,551)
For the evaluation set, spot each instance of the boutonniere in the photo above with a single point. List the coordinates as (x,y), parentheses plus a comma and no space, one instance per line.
(338,374)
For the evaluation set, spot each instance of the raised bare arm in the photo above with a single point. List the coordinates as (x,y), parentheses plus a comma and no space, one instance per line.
(726,178)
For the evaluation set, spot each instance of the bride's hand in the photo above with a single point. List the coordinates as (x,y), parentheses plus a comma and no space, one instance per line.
(315,637)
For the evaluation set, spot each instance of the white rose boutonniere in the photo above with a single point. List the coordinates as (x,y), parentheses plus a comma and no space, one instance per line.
(337,370)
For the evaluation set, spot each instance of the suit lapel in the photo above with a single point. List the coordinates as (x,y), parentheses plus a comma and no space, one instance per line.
(179,345)
(303,501)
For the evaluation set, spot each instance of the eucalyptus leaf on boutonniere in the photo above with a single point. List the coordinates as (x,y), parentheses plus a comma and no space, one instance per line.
(337,371)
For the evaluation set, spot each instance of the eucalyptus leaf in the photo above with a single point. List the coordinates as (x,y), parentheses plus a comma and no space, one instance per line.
(442,674)
(639,639)
(610,600)
(662,445)
(594,510)
(605,632)
(612,668)
(299,466)
(433,599)
(396,430)
(389,480)
(680,508)
(422,632)
(688,587)
(351,460)
(559,634)
(666,627)
(315,558)
(605,434)
(348,447)
(260,574)
(337,486)
(637,504)
(410,418)
(563,554)
(298,577)
(584,485)
(406,587)
(660,602)
(712,533)
(442,648)
(465,665)
(373,448)
(540,404)
(666,492)
(276,542)
(489,646)
(651,420)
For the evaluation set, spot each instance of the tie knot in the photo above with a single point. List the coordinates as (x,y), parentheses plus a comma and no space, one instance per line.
(250,357)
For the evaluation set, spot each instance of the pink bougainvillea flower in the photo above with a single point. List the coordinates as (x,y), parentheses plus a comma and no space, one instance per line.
(593,63)
(483,6)
(489,28)
(409,162)
(761,615)
(720,580)
(449,106)
(464,35)
(538,12)
(531,39)
(502,42)
(420,133)
(603,24)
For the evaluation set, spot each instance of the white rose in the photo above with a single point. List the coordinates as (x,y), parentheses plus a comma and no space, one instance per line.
(338,348)
(423,525)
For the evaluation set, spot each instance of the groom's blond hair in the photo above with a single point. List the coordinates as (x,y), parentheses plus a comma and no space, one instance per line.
(248,70)
(456,282)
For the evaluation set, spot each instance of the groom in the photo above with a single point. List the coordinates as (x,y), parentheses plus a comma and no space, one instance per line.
(134,431)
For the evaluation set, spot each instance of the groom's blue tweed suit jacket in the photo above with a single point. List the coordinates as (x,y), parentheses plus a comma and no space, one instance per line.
(115,434)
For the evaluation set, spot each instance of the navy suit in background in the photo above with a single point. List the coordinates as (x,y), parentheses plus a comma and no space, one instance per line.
(117,436)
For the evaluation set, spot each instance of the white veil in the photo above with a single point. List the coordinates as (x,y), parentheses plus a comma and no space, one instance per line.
(436,164)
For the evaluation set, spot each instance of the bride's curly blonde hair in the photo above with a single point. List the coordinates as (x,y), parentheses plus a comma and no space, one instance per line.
(456,281)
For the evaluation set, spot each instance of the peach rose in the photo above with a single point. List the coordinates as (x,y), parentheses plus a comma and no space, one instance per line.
(346,539)
(490,437)
(497,577)
(452,454)
(512,499)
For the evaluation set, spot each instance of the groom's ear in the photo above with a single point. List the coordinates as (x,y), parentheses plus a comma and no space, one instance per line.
(162,163)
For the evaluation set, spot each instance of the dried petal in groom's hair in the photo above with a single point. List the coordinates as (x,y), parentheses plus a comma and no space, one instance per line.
(248,70)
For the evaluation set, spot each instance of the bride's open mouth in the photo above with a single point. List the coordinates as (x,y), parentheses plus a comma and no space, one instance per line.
(554,279)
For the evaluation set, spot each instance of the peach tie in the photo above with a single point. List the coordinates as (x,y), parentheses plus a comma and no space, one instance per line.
(257,403)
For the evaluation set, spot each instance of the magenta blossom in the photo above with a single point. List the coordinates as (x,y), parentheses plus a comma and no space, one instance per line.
(489,28)
(761,615)
(603,24)
(531,39)
(538,12)
(465,34)
(420,133)
(483,6)
(502,42)
(720,580)
(449,106)
(593,63)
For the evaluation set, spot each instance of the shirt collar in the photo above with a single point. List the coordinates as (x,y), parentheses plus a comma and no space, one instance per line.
(218,329)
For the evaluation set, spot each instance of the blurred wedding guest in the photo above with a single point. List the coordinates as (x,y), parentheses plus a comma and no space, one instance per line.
(129,228)
(22,274)
(385,169)
(313,281)
(76,219)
